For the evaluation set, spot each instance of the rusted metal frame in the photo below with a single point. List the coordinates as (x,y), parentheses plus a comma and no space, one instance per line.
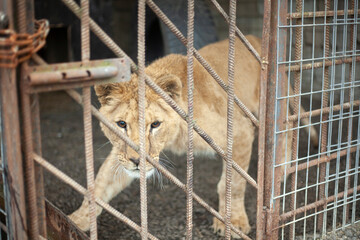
(324,63)
(276,81)
(11,156)
(142,127)
(74,95)
(317,204)
(324,103)
(261,208)
(80,189)
(327,110)
(87,119)
(190,123)
(321,14)
(25,22)
(201,60)
(323,159)
(59,226)
(230,119)
(351,101)
(115,48)
(238,32)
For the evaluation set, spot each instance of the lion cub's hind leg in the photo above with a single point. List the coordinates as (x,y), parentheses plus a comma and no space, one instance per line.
(241,154)
(107,186)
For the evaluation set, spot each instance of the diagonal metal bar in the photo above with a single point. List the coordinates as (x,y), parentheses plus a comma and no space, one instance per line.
(120,53)
(68,180)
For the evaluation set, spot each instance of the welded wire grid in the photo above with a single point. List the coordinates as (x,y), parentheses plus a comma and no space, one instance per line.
(84,100)
(320,190)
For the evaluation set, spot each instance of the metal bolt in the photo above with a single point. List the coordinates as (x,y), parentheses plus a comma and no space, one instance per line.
(4,20)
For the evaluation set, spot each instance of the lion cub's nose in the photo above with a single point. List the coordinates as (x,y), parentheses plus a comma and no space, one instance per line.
(136,161)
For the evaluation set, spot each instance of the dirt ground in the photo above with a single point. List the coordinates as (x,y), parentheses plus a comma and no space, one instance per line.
(62,139)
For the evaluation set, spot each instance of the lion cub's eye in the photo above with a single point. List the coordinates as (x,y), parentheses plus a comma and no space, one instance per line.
(155,124)
(121,124)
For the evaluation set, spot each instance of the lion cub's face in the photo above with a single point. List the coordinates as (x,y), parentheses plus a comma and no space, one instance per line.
(119,103)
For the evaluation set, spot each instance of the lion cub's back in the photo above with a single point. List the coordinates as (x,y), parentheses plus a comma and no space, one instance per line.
(247,68)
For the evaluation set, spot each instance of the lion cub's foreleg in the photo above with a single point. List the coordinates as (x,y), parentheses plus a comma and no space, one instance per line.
(108,184)
(241,154)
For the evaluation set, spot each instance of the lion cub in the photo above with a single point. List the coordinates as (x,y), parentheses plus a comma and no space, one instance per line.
(165,130)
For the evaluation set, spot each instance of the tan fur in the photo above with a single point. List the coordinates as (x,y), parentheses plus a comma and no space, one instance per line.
(119,102)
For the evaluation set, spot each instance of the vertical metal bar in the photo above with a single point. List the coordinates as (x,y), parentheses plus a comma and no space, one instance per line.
(39,176)
(89,154)
(324,118)
(274,107)
(230,117)
(35,120)
(353,71)
(190,85)
(14,191)
(351,100)
(142,102)
(261,210)
(25,24)
(295,106)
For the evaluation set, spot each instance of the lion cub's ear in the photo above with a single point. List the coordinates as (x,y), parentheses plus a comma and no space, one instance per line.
(103,91)
(170,84)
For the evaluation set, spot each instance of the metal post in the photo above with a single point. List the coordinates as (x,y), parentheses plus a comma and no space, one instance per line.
(273,151)
(11,156)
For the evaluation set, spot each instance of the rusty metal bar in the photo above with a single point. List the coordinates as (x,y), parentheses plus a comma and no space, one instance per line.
(68,180)
(112,45)
(296,109)
(320,14)
(190,147)
(238,32)
(73,94)
(11,155)
(88,136)
(316,162)
(39,176)
(319,203)
(261,209)
(38,78)
(276,79)
(142,127)
(324,117)
(230,118)
(324,63)
(326,110)
(25,24)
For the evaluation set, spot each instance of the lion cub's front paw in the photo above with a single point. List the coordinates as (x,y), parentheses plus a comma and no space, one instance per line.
(82,220)
(219,227)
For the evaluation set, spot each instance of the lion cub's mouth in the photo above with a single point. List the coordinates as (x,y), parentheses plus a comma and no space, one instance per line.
(135,173)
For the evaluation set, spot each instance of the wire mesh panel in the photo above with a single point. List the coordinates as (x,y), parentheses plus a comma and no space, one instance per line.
(315,187)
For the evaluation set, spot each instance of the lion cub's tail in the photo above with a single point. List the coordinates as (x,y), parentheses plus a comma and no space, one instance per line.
(314,137)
